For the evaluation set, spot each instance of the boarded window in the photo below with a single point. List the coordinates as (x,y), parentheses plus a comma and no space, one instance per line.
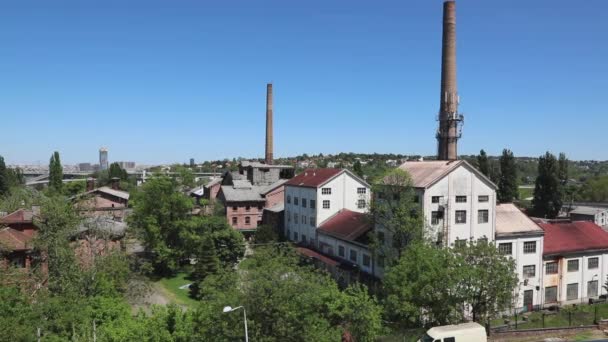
(529,271)
(572,291)
(592,288)
(551,294)
(482,216)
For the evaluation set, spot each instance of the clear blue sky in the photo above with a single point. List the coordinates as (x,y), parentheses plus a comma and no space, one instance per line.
(163,81)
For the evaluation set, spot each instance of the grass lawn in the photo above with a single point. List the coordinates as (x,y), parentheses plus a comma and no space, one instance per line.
(525,193)
(177,295)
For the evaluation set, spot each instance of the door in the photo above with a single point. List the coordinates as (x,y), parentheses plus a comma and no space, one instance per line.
(528,298)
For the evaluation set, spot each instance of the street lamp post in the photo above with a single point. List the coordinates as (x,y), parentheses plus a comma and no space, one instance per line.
(230,309)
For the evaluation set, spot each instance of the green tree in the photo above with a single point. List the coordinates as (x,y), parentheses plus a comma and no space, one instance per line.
(422,287)
(207,263)
(396,211)
(563,164)
(486,279)
(158,213)
(4,182)
(266,234)
(358,169)
(115,171)
(547,200)
(55,173)
(482,163)
(507,185)
(358,313)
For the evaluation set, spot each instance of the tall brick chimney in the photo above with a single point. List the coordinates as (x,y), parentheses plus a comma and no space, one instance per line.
(449,119)
(269,134)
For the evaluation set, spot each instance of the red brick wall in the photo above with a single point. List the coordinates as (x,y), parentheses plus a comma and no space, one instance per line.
(241,212)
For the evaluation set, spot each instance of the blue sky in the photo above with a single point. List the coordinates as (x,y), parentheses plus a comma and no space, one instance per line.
(163,81)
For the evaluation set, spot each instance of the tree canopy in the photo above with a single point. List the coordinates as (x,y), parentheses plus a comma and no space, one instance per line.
(507,185)
(547,200)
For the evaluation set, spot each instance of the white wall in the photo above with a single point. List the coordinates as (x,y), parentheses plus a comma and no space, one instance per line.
(524,259)
(291,209)
(580,277)
(461,182)
(330,246)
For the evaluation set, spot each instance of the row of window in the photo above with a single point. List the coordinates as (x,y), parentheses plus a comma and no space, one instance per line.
(483,216)
(573,265)
(571,291)
(354,257)
(461,199)
(248,207)
(506,248)
(235,220)
(305,203)
(304,219)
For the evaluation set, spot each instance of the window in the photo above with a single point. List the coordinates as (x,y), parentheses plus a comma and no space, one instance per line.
(593,263)
(247,208)
(361,191)
(551,294)
(295,236)
(460,243)
(313,203)
(573,265)
(361,204)
(592,288)
(288,234)
(436,216)
(235,208)
(325,191)
(341,251)
(483,198)
(303,202)
(353,255)
(288,199)
(529,271)
(572,291)
(295,201)
(482,216)
(380,261)
(17,261)
(461,216)
(529,247)
(303,219)
(313,221)
(380,237)
(505,248)
(304,238)
(366,260)
(461,199)
(325,204)
(288,214)
(435,199)
(234,220)
(295,218)
(551,268)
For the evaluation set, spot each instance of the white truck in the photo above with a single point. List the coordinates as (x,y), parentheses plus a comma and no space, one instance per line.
(466,332)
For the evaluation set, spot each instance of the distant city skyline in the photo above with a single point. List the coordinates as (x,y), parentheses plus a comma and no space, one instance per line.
(158,82)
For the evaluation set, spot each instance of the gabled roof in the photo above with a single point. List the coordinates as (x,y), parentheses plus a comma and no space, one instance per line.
(106,190)
(14,240)
(232,194)
(19,216)
(512,221)
(314,178)
(426,173)
(346,225)
(266,189)
(573,237)
(213,182)
(104,226)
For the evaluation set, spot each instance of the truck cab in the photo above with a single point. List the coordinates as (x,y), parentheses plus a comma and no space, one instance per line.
(466,332)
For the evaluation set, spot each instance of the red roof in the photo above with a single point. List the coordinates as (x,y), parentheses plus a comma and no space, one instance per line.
(19,216)
(313,178)
(347,225)
(14,240)
(312,254)
(570,237)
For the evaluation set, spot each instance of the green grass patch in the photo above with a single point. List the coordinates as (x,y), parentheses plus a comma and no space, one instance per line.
(581,315)
(525,193)
(172,287)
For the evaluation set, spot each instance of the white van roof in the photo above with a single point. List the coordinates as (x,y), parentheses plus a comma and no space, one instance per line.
(456,327)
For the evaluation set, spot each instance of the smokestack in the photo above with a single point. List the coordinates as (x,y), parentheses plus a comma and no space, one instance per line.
(449,119)
(269,134)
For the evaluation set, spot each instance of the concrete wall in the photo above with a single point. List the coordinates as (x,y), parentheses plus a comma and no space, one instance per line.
(581,277)
(330,246)
(524,259)
(461,182)
(291,209)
